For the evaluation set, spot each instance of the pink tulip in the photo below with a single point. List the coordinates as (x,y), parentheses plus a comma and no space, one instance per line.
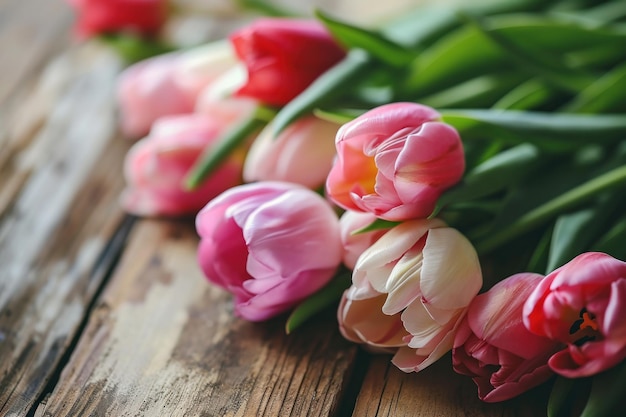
(394,161)
(283,56)
(156,166)
(583,305)
(168,85)
(303,153)
(97,17)
(355,244)
(271,244)
(409,292)
(493,346)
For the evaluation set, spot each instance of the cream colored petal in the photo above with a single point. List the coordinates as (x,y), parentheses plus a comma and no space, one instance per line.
(393,244)
(451,274)
(420,325)
(403,284)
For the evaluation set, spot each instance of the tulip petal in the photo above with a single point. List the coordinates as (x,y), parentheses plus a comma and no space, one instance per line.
(451,274)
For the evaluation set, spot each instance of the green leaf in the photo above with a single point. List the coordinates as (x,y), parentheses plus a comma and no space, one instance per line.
(500,171)
(506,228)
(565,393)
(575,232)
(525,96)
(608,393)
(324,298)
(467,52)
(377,224)
(266,8)
(606,95)
(537,62)
(481,91)
(612,242)
(337,81)
(374,43)
(132,48)
(340,116)
(554,132)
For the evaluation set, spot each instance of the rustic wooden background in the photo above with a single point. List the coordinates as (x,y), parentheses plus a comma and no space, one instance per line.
(103,314)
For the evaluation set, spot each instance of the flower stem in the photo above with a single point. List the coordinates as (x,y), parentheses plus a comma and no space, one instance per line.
(214,156)
(553,207)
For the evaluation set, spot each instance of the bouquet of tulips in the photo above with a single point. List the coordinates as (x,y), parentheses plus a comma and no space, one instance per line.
(451,181)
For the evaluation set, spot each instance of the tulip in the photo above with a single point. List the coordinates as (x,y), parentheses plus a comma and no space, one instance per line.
(283,56)
(583,305)
(354,244)
(409,292)
(394,161)
(168,85)
(156,165)
(493,346)
(271,244)
(303,153)
(96,17)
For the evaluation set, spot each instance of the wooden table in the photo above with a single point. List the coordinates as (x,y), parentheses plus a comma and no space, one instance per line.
(103,314)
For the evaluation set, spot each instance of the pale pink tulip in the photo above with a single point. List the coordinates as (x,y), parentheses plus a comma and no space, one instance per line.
(395,161)
(583,305)
(354,244)
(409,292)
(271,244)
(493,346)
(168,85)
(303,153)
(156,166)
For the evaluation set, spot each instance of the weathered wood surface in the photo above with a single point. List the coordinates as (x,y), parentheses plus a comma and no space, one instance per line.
(102,314)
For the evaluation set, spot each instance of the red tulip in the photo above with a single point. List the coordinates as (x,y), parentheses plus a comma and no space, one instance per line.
(97,17)
(582,304)
(283,56)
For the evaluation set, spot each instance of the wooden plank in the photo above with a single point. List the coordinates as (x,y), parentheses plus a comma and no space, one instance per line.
(436,391)
(163,342)
(59,210)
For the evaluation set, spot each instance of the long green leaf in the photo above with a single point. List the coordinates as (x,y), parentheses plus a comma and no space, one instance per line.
(507,229)
(467,52)
(548,131)
(607,94)
(374,43)
(499,172)
(575,232)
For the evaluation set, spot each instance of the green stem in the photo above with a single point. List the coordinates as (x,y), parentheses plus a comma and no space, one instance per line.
(214,156)
(553,207)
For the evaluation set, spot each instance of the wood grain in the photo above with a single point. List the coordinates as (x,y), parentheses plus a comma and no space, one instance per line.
(433,392)
(60,181)
(162,341)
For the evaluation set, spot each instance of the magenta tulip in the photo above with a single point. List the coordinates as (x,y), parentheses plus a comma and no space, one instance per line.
(394,161)
(493,346)
(156,166)
(583,305)
(283,56)
(271,244)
